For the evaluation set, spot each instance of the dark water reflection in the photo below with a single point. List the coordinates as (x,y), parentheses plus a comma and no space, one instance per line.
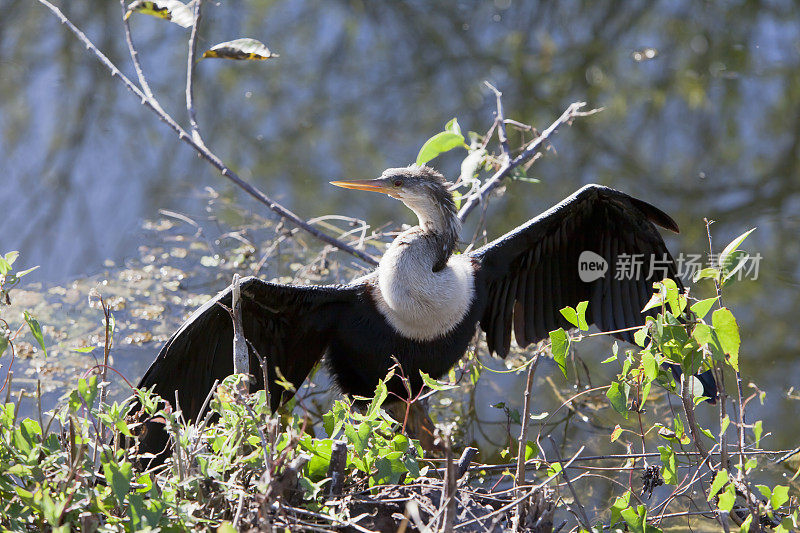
(709,127)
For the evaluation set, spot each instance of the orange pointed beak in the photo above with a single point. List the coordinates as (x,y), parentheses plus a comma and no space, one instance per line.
(376,185)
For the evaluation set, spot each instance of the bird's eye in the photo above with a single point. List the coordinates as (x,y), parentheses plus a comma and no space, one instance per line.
(398,183)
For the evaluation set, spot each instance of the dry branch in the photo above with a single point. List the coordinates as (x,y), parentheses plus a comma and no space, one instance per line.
(573,111)
(204,152)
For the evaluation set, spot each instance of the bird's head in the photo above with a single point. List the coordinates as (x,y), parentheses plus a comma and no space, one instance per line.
(421,188)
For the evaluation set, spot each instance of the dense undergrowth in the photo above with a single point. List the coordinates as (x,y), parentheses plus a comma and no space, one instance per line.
(243,465)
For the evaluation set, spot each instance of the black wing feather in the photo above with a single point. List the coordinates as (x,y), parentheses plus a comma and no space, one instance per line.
(533,270)
(289,327)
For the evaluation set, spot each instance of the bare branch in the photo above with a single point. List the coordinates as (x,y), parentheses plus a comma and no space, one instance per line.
(499,121)
(190,62)
(573,111)
(134,53)
(584,519)
(519,478)
(449,489)
(202,150)
(241,357)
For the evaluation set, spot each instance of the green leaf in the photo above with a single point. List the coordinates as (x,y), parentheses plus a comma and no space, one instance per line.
(559,345)
(636,518)
(711,273)
(240,49)
(745,527)
(171,10)
(452,126)
(145,513)
(581,309)
(719,481)
(10,257)
(434,384)
(5,268)
(727,499)
(728,332)
(118,477)
(618,399)
(669,465)
(655,301)
(616,433)
(3,341)
(554,468)
(619,505)
(320,460)
(641,335)
(531,450)
(732,264)
(457,196)
(701,308)
(734,245)
(780,495)
(646,391)
(441,142)
(672,295)
(26,271)
(758,428)
(788,524)
(36,330)
(649,365)
(576,316)
(724,424)
(88,390)
(377,401)
(84,349)
(359,438)
(27,435)
(389,469)
(226,527)
(571,315)
(610,359)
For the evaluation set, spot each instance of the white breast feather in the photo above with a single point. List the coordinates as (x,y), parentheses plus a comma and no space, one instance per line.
(418,303)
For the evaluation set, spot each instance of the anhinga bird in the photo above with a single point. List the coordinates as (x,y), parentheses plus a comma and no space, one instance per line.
(423,303)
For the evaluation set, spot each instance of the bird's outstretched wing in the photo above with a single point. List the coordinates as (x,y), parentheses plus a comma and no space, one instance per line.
(533,272)
(288,326)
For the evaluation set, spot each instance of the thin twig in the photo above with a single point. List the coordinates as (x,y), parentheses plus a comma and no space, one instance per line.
(516,500)
(584,519)
(533,147)
(134,54)
(109,367)
(519,478)
(202,150)
(751,505)
(719,375)
(190,62)
(500,121)
(178,447)
(241,357)
(449,489)
(622,457)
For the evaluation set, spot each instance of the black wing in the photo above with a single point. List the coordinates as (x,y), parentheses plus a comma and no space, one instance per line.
(289,326)
(532,272)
